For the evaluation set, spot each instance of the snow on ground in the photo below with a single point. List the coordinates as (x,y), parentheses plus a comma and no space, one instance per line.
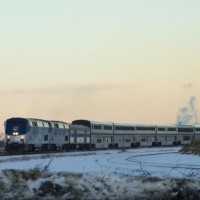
(157,161)
(141,173)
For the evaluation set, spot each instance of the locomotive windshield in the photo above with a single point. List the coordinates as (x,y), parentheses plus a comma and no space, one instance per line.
(18,125)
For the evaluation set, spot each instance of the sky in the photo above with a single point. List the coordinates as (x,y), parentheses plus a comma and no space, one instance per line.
(106,60)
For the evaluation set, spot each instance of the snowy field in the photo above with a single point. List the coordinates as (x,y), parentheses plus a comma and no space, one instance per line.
(157,161)
(113,174)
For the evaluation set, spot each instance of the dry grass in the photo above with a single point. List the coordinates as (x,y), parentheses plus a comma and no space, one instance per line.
(193,148)
(34,184)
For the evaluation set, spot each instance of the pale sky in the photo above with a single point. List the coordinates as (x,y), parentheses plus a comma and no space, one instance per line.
(107,60)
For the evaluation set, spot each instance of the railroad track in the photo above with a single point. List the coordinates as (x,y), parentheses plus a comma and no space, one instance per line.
(163,165)
(134,159)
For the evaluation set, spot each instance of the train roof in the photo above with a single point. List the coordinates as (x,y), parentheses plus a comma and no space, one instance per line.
(143,124)
(88,122)
(167,125)
(29,119)
(55,121)
(101,123)
(37,119)
(123,124)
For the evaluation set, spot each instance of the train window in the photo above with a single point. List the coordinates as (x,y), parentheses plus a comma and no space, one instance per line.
(45,137)
(66,137)
(185,129)
(98,140)
(107,127)
(142,128)
(171,129)
(124,128)
(15,123)
(56,125)
(197,129)
(143,139)
(97,126)
(35,124)
(161,129)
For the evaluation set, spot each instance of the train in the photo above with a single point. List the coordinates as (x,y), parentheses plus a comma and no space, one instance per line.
(39,135)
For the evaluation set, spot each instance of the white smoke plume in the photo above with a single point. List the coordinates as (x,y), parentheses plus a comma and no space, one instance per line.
(189,113)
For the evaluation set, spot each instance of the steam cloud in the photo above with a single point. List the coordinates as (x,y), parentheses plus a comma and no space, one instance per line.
(188,114)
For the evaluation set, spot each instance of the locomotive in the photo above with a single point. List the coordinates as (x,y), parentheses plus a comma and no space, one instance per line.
(30,135)
(38,135)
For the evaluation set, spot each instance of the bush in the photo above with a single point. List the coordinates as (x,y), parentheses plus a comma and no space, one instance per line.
(193,148)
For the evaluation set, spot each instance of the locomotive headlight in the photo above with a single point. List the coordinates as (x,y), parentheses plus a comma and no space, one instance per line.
(15,133)
(8,138)
(22,138)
